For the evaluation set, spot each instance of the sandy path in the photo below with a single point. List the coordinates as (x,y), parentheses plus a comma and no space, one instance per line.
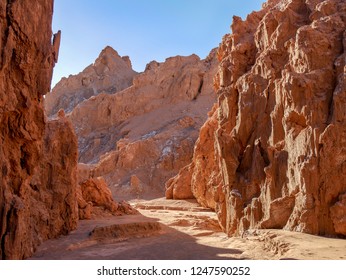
(167,229)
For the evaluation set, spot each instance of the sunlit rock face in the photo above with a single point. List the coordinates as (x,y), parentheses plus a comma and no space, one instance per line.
(139,137)
(276,155)
(108,74)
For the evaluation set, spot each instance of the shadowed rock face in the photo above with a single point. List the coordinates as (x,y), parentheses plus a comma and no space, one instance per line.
(53,189)
(37,167)
(277,137)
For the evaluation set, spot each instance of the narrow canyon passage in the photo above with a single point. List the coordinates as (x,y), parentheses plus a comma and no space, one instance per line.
(256,130)
(169,229)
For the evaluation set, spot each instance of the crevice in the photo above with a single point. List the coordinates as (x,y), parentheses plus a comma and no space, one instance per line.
(335,84)
(6,34)
(5,233)
(200,86)
(263,154)
(330,109)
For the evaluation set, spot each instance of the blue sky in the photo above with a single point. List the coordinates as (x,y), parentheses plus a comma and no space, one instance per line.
(145,30)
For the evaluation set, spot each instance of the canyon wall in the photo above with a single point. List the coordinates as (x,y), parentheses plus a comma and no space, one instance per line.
(38,161)
(141,136)
(273,152)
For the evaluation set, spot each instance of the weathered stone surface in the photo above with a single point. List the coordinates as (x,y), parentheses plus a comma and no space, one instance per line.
(108,74)
(338,214)
(95,201)
(179,187)
(84,208)
(279,139)
(140,137)
(201,178)
(97,192)
(53,188)
(125,208)
(38,162)
(26,64)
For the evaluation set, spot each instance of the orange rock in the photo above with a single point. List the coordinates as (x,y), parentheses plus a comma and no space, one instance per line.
(179,187)
(37,162)
(84,208)
(52,196)
(95,200)
(110,73)
(338,214)
(126,208)
(97,192)
(278,142)
(147,130)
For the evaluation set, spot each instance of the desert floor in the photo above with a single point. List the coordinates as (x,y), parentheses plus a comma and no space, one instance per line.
(168,229)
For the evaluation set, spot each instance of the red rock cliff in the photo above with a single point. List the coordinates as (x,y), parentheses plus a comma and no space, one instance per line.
(276,140)
(38,169)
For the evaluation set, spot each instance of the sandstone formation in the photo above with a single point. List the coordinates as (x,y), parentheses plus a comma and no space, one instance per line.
(85,208)
(53,188)
(273,154)
(140,137)
(108,74)
(38,162)
(125,231)
(97,192)
(338,214)
(95,201)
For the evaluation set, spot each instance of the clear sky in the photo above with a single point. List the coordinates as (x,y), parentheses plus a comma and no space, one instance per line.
(145,30)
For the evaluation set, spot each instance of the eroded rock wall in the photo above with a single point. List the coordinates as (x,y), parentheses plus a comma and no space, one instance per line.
(52,195)
(279,139)
(37,168)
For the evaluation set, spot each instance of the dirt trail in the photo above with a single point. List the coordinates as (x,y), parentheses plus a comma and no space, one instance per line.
(167,229)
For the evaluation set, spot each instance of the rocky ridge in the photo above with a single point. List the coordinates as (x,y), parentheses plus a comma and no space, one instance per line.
(273,152)
(108,74)
(139,137)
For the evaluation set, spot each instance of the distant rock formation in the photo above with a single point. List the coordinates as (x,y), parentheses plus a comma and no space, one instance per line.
(141,136)
(38,161)
(273,152)
(108,74)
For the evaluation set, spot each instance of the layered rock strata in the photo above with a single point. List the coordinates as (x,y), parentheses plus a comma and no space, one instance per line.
(277,137)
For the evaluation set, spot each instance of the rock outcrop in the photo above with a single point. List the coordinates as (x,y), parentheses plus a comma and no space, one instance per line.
(108,74)
(95,201)
(53,188)
(140,137)
(97,192)
(38,162)
(276,150)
